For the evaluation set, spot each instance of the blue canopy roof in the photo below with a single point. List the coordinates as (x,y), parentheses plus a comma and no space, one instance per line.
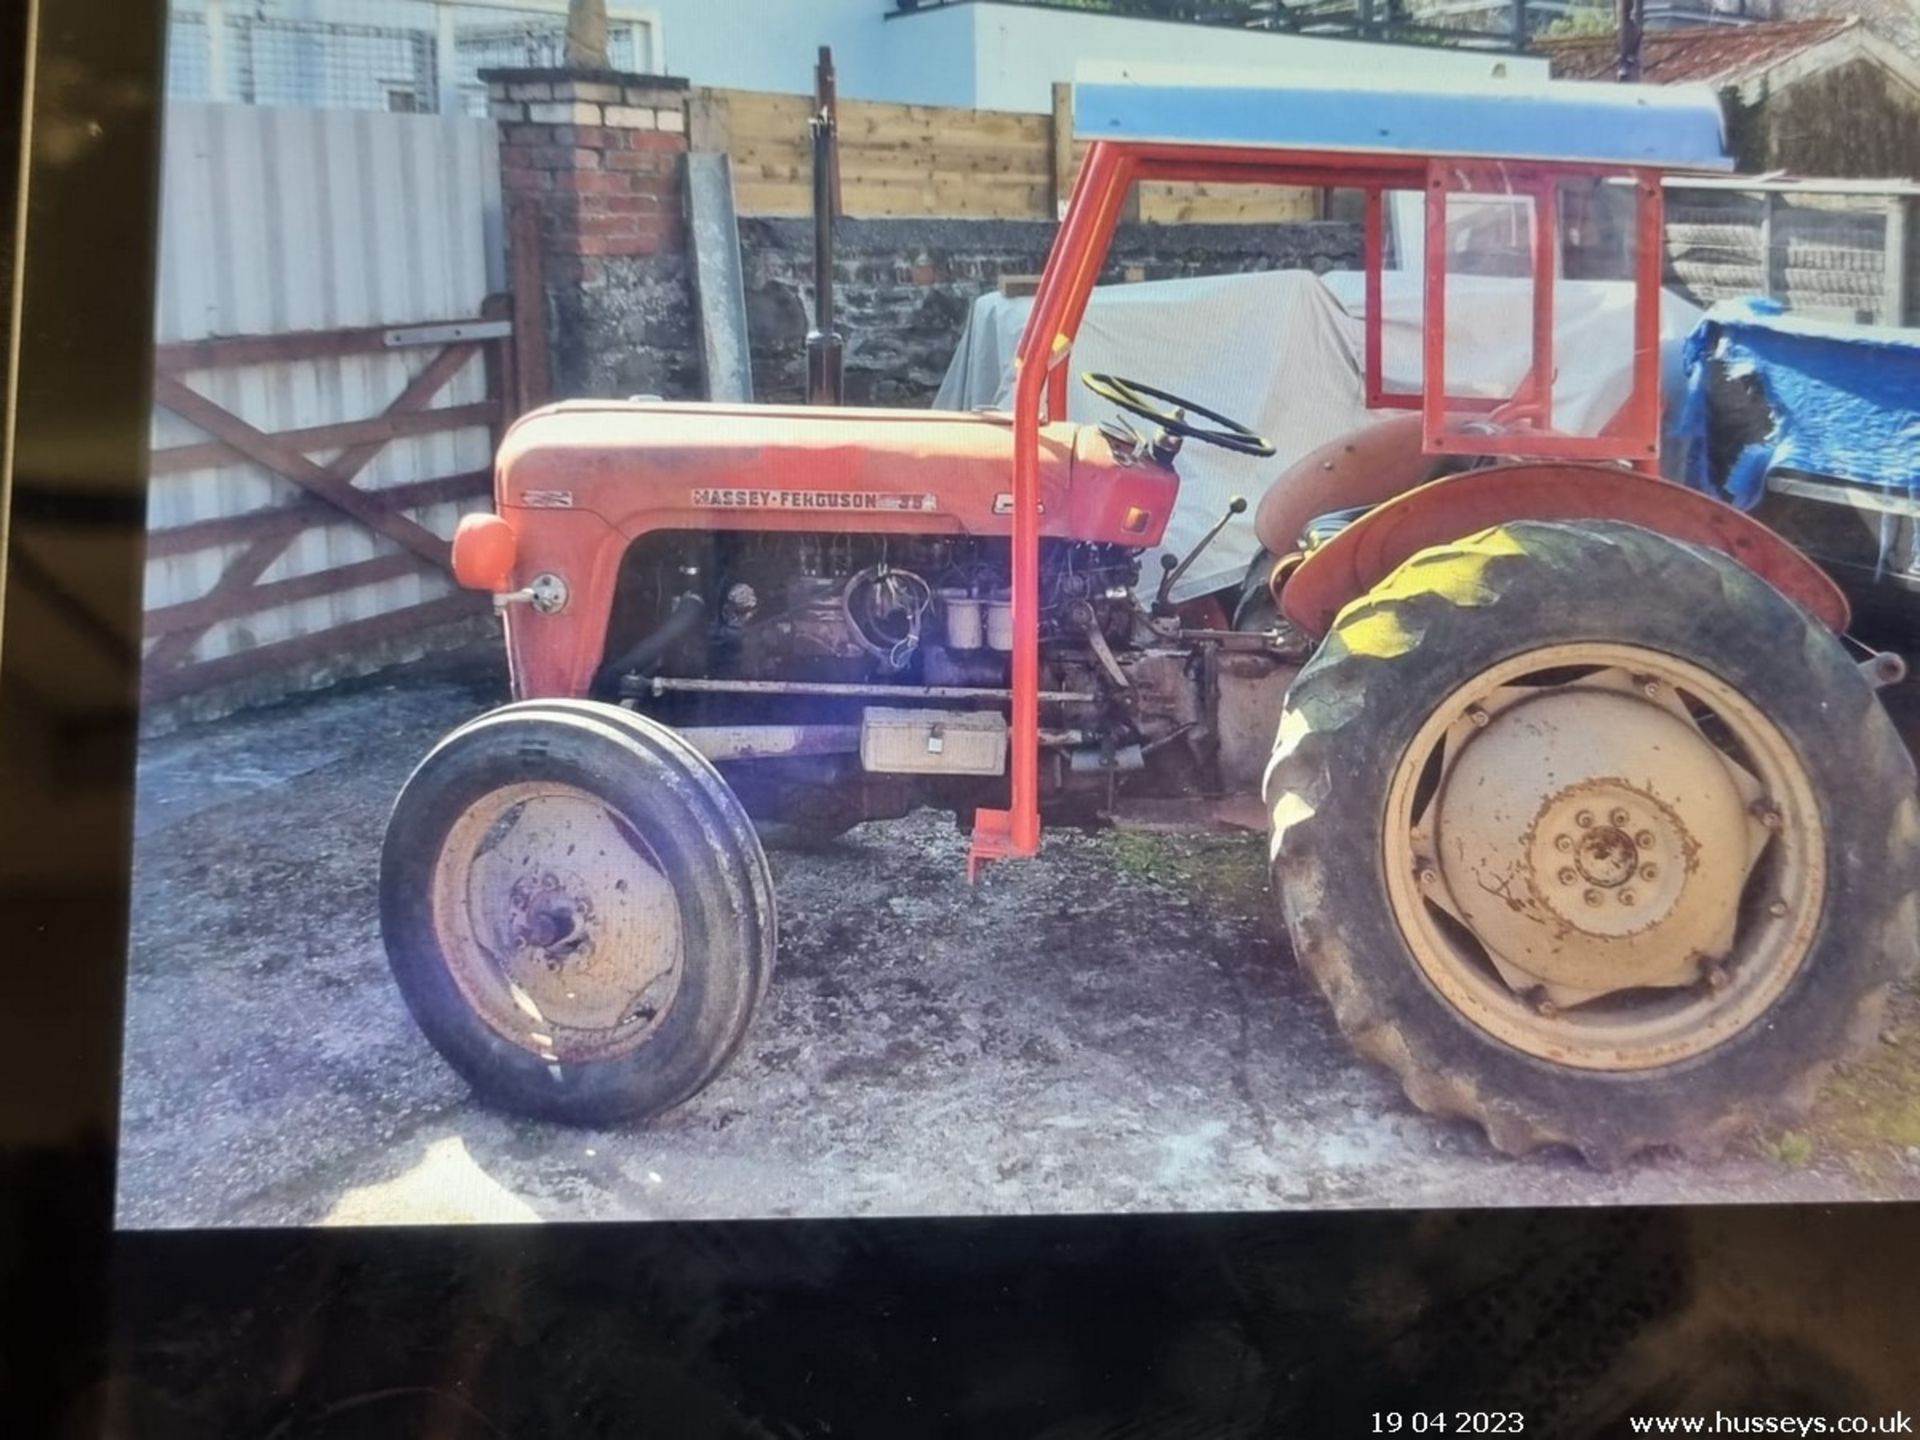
(1676,127)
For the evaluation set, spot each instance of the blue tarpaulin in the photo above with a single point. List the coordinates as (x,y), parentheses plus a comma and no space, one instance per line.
(1845,399)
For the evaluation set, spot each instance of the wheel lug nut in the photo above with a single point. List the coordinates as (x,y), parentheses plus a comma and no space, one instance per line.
(1618,817)
(1567,877)
(1644,839)
(1778,909)
(1429,877)
(1584,819)
(1627,898)
(1717,977)
(1592,897)
(1542,1003)
(1647,872)
(1563,843)
(1479,717)
(1649,686)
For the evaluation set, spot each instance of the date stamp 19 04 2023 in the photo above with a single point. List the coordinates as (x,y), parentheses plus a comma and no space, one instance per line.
(1449,1422)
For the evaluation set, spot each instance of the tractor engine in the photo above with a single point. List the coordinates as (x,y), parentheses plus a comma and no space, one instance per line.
(890,660)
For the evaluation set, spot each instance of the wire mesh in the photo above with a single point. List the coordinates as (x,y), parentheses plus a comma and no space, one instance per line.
(400,55)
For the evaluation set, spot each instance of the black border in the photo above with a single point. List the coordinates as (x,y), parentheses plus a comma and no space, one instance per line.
(1296,1324)
(79,397)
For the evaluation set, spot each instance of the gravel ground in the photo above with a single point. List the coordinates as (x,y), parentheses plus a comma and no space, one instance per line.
(1113,1027)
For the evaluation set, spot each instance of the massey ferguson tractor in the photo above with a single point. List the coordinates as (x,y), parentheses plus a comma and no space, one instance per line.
(1583,816)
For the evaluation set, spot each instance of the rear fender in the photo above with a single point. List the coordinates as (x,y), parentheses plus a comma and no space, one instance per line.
(1453,507)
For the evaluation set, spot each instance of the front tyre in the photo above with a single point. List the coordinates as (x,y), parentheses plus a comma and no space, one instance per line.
(1593,837)
(576,911)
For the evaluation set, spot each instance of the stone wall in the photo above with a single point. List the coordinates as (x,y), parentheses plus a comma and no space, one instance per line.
(629,327)
(904,288)
(903,291)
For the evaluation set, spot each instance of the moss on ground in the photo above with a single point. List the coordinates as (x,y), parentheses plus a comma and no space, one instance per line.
(1868,1113)
(1226,874)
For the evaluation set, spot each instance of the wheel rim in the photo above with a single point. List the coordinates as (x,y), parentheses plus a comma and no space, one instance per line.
(1605,856)
(558,922)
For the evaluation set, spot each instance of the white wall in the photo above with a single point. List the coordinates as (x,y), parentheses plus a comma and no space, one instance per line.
(1020,50)
(929,58)
(772,44)
(992,56)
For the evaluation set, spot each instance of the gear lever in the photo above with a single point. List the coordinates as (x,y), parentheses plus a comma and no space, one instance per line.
(1172,570)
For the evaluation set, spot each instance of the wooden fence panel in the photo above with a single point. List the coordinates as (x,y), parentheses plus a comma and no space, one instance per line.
(934,161)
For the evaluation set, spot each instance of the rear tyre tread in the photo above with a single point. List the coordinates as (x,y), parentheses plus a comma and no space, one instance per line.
(1426,605)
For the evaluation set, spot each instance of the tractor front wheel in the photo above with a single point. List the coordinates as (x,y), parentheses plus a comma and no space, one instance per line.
(1594,838)
(576,910)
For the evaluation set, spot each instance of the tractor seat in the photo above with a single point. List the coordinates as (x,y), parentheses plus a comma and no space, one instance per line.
(1323,528)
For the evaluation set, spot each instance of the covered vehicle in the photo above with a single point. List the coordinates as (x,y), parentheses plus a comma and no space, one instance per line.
(1285,350)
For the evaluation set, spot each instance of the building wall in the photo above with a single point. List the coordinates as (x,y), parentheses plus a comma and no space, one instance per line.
(993,56)
(1853,121)
(772,44)
(1020,51)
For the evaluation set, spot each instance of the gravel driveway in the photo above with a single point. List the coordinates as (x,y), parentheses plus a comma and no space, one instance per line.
(1113,1027)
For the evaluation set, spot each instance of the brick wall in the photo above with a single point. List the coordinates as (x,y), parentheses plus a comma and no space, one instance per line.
(594,156)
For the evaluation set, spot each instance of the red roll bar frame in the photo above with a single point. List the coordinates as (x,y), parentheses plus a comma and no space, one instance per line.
(1079,254)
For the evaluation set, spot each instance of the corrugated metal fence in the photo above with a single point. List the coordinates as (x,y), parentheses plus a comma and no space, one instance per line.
(330,372)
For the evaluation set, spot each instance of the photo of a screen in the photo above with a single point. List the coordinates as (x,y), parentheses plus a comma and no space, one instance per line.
(880,609)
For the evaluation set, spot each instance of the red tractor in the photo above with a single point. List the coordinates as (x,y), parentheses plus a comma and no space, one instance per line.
(1583,817)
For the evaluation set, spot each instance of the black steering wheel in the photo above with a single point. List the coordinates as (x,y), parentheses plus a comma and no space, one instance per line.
(1171,416)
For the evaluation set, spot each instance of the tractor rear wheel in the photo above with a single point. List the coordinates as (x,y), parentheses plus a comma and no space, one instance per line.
(1593,837)
(576,910)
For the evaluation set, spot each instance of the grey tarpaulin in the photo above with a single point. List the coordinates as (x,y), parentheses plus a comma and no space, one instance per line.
(1281,351)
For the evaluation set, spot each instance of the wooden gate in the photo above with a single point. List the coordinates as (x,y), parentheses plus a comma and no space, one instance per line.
(262,537)
(333,368)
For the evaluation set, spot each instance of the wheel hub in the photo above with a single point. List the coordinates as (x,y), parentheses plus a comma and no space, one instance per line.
(1603,855)
(564,927)
(550,919)
(1607,858)
(1539,825)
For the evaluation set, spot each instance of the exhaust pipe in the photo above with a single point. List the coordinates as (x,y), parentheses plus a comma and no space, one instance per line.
(826,350)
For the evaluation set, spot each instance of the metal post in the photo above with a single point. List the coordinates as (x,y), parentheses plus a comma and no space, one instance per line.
(446,60)
(826,350)
(1895,295)
(1769,203)
(220,86)
(1632,16)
